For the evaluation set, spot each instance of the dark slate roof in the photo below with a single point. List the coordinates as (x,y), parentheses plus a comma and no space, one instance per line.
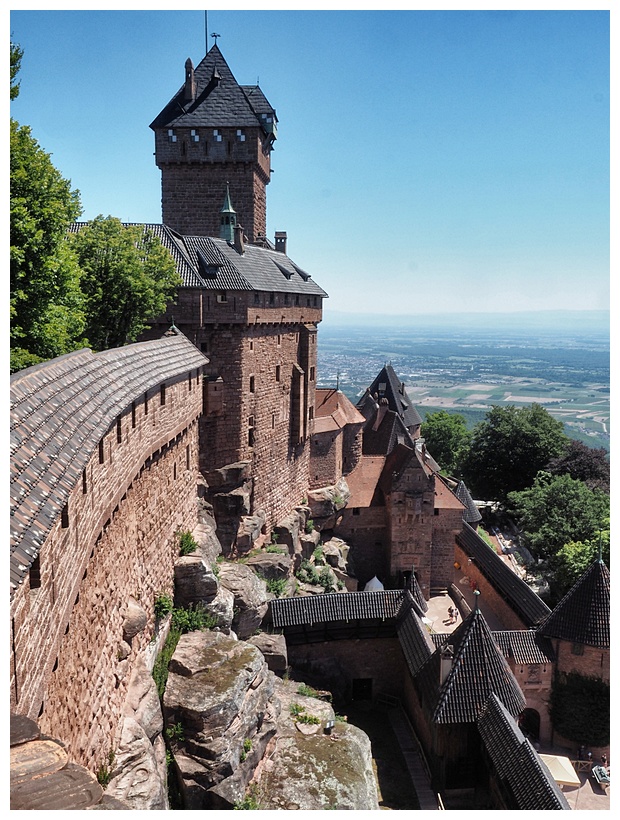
(336,606)
(478,670)
(214,264)
(525,646)
(523,775)
(388,385)
(415,640)
(391,431)
(224,103)
(523,600)
(471,513)
(59,411)
(583,614)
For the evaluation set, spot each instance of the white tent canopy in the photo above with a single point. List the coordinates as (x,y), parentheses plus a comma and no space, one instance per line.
(373,585)
(561,770)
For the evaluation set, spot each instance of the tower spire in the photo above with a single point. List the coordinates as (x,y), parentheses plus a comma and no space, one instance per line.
(228,218)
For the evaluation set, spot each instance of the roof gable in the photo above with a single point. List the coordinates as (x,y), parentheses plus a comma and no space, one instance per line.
(387,385)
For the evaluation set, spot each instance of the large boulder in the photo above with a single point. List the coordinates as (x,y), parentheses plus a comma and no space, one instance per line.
(135,620)
(325,502)
(229,476)
(310,769)
(271,565)
(222,608)
(139,773)
(250,530)
(251,598)
(220,713)
(142,701)
(194,581)
(274,650)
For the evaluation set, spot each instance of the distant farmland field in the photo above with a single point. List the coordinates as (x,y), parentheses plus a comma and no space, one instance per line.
(469,372)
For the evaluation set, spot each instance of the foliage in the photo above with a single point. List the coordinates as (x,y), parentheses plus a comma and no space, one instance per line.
(447,438)
(485,537)
(183,620)
(509,448)
(573,559)
(310,692)
(46,303)
(309,526)
(187,544)
(588,464)
(247,746)
(318,554)
(276,586)
(175,732)
(556,510)
(307,573)
(163,605)
(299,712)
(249,803)
(128,278)
(327,580)
(296,709)
(104,772)
(579,709)
(193,618)
(275,548)
(16,59)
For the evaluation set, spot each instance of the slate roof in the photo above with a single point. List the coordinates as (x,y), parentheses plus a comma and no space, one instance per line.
(525,646)
(214,264)
(336,606)
(224,103)
(523,600)
(478,670)
(471,513)
(391,431)
(59,411)
(583,614)
(524,776)
(415,640)
(388,385)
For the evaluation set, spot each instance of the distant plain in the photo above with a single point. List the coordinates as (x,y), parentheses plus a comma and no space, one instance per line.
(469,363)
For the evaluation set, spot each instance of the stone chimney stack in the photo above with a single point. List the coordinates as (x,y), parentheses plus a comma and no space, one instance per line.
(445,663)
(189,91)
(281,241)
(239,244)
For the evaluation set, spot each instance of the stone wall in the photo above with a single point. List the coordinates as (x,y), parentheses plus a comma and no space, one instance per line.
(584,660)
(447,523)
(195,176)
(366,531)
(325,458)
(112,552)
(493,599)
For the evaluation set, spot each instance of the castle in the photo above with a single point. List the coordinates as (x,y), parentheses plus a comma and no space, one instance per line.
(107,449)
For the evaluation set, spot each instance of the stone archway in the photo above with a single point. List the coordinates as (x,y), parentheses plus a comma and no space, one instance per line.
(529,723)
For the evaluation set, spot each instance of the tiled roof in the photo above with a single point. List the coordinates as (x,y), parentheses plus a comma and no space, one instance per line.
(336,606)
(388,385)
(218,104)
(214,264)
(525,646)
(415,640)
(471,513)
(59,411)
(391,431)
(583,614)
(445,499)
(478,670)
(333,410)
(363,480)
(526,782)
(523,600)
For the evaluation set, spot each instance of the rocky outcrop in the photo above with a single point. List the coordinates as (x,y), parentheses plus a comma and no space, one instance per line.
(222,608)
(229,491)
(250,597)
(135,620)
(220,714)
(194,581)
(271,565)
(250,532)
(138,771)
(326,502)
(273,648)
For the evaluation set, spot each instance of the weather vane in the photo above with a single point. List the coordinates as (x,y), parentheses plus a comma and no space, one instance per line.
(215,36)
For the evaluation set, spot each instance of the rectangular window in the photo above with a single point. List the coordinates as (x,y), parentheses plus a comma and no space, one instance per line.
(101,452)
(222,297)
(311,413)
(312,374)
(133,414)
(279,339)
(174,471)
(146,404)
(187,457)
(355,510)
(256,298)
(251,344)
(251,384)
(189,382)
(84,482)
(119,430)
(277,372)
(251,431)
(162,394)
(64,516)
(34,574)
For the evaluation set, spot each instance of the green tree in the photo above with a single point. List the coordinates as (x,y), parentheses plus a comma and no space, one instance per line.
(556,510)
(588,464)
(16,60)
(46,301)
(447,439)
(509,448)
(573,559)
(128,278)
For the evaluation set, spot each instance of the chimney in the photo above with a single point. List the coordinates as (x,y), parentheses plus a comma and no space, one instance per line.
(239,246)
(445,663)
(189,90)
(281,241)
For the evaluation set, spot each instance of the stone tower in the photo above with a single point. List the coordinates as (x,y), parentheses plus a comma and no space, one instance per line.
(212,134)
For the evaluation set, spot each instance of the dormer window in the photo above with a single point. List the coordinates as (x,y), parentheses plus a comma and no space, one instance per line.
(172,137)
(222,297)
(194,136)
(240,135)
(217,137)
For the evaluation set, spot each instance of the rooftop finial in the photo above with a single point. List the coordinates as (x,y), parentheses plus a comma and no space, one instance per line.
(600,546)
(476,599)
(215,36)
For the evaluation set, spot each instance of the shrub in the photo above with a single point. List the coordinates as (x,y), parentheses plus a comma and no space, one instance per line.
(193,618)
(163,605)
(187,544)
(247,745)
(318,554)
(277,586)
(309,526)
(275,548)
(296,709)
(175,732)
(104,772)
(326,580)
(307,574)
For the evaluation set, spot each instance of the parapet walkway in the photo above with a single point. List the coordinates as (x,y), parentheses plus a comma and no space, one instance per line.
(409,747)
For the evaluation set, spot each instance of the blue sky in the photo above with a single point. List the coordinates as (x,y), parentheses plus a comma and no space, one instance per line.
(426,161)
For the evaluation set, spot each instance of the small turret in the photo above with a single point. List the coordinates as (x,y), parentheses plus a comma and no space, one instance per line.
(228,219)
(189,90)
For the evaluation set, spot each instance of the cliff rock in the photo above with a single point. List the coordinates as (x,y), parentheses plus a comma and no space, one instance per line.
(251,599)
